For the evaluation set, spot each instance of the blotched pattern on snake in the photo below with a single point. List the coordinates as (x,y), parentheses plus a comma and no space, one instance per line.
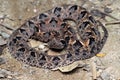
(79,42)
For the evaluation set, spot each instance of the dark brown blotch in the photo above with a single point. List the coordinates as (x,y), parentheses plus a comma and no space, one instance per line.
(71,30)
(10,43)
(31,24)
(67,39)
(95,31)
(32,54)
(36,29)
(69,55)
(53,22)
(84,25)
(21,49)
(63,25)
(21,45)
(77,54)
(41,63)
(46,35)
(92,41)
(14,40)
(93,50)
(88,33)
(82,14)
(31,60)
(56,60)
(18,37)
(72,9)
(42,16)
(92,19)
(77,45)
(84,52)
(57,11)
(19,55)
(42,57)
(22,30)
(42,24)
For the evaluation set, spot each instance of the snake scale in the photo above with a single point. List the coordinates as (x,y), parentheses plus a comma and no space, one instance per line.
(79,42)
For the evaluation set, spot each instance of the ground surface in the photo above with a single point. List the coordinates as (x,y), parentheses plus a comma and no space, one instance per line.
(14,12)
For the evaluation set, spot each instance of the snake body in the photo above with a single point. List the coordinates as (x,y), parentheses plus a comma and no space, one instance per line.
(79,42)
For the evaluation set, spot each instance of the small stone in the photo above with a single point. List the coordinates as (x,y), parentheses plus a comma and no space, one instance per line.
(2,48)
(109,74)
(2,74)
(34,10)
(107,10)
(71,67)
(2,41)
(41,46)
(2,61)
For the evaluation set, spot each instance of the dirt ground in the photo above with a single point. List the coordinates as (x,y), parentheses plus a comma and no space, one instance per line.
(14,12)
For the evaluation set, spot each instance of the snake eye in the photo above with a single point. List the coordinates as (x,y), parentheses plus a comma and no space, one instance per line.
(57,11)
(42,16)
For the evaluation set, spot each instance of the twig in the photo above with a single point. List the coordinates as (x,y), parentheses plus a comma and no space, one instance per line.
(6,27)
(112,23)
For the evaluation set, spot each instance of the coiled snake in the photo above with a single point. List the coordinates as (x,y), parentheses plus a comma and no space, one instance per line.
(79,42)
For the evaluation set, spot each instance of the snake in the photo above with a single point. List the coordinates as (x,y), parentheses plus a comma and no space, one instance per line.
(53,27)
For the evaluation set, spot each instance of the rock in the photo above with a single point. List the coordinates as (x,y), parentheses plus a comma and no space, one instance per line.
(2,60)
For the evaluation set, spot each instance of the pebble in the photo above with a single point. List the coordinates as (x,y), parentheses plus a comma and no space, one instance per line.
(7,74)
(107,10)
(2,61)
